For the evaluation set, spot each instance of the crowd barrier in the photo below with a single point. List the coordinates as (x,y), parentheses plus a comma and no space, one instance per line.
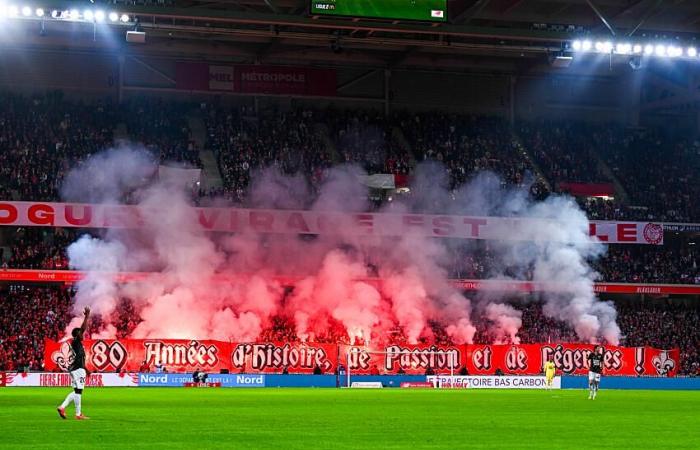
(50,379)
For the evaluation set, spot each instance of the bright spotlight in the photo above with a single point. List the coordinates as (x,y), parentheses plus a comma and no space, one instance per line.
(576,45)
(39,12)
(74,14)
(124,18)
(113,17)
(88,15)
(660,50)
(586,46)
(637,49)
(674,51)
(603,46)
(623,49)
(99,16)
(12,11)
(55,14)
(692,52)
(3,11)
(649,49)
(26,11)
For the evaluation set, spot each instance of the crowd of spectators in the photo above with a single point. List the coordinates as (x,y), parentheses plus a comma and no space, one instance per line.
(565,151)
(42,137)
(244,143)
(466,145)
(29,314)
(671,263)
(162,128)
(366,138)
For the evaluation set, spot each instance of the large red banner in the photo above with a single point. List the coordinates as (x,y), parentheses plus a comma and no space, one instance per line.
(105,355)
(256,79)
(315,222)
(186,356)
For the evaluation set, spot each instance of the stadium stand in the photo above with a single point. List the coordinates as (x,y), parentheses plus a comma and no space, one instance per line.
(42,136)
(29,314)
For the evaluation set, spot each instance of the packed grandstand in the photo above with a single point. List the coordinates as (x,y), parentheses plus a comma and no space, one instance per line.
(43,137)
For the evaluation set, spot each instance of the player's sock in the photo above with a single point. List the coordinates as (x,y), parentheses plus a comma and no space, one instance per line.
(69,398)
(78,400)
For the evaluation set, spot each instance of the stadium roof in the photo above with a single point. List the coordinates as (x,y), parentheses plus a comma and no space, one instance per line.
(505,35)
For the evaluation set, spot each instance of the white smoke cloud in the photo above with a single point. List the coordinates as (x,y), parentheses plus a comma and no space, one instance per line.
(180,300)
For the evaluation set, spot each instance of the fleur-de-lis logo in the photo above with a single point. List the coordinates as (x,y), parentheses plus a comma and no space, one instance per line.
(663,363)
(64,356)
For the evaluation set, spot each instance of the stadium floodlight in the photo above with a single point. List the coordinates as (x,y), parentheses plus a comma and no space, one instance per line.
(88,15)
(12,11)
(113,17)
(660,50)
(124,18)
(637,49)
(39,12)
(692,52)
(604,46)
(576,45)
(674,52)
(623,48)
(99,16)
(74,14)
(26,11)
(648,49)
(586,45)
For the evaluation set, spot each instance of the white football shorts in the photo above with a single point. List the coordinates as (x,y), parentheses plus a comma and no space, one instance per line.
(77,378)
(592,376)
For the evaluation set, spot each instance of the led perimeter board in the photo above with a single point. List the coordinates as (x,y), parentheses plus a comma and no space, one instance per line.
(421,10)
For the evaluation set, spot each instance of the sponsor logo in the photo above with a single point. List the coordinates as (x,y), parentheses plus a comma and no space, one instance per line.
(492,382)
(182,379)
(271,356)
(250,380)
(64,379)
(437,13)
(653,233)
(274,77)
(153,379)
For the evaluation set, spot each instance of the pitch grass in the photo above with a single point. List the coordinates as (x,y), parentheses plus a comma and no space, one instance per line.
(284,419)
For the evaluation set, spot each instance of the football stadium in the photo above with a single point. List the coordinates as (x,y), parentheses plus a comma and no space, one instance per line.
(349,224)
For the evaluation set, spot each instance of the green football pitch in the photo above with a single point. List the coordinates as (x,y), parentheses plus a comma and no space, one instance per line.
(398,9)
(194,419)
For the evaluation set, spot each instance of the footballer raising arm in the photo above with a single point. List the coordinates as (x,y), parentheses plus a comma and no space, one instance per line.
(77,371)
(595,370)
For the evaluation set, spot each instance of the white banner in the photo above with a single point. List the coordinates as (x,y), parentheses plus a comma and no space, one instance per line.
(493,382)
(62,379)
(318,222)
(179,176)
(379,181)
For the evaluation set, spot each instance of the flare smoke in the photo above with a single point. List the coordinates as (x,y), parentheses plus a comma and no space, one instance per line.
(333,295)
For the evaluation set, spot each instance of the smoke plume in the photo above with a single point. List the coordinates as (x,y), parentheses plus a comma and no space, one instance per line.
(346,287)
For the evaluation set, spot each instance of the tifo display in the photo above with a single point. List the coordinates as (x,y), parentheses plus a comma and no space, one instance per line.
(130,355)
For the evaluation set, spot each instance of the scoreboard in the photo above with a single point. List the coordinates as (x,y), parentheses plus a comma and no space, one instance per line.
(421,10)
